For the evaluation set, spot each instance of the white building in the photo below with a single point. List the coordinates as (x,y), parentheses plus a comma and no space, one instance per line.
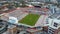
(53,23)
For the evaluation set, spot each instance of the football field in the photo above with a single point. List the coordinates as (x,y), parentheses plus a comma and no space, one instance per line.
(30,19)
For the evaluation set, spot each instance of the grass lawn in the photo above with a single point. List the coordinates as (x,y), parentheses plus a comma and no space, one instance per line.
(30,19)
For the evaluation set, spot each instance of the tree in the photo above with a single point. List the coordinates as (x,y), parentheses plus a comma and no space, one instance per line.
(16,4)
(23,3)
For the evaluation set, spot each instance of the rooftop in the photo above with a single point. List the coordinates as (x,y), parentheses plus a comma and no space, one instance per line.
(56,15)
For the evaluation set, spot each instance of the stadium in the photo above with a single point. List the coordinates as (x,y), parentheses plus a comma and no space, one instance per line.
(28,17)
(30,20)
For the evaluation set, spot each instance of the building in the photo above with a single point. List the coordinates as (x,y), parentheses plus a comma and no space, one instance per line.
(54,24)
(3,26)
(58,1)
(53,9)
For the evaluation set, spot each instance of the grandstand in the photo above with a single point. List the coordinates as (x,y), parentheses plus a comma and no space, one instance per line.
(18,14)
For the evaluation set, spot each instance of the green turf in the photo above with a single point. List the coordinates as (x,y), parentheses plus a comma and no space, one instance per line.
(30,19)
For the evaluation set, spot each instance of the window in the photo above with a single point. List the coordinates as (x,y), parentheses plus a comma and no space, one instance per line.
(55,24)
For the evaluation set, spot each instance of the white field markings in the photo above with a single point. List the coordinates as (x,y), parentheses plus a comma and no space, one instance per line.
(41,21)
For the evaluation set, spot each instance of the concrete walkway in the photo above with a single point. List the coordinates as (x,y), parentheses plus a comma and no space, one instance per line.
(41,21)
